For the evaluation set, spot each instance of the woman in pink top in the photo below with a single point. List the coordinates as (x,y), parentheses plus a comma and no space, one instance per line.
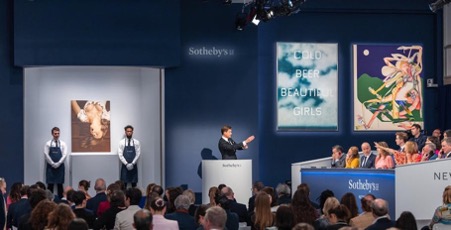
(158,209)
(383,159)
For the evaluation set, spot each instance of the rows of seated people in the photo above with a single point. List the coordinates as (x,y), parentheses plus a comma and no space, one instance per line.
(115,207)
(417,148)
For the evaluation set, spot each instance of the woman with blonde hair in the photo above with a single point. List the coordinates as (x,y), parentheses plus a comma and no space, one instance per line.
(263,217)
(383,160)
(212,193)
(442,212)
(60,217)
(352,158)
(323,221)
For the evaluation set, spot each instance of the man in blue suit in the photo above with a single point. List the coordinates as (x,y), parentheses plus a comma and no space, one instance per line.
(93,203)
(367,160)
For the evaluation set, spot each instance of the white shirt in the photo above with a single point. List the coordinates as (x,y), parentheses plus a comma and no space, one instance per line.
(52,143)
(124,218)
(120,150)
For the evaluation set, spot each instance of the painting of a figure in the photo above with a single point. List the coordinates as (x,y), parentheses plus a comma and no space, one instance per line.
(388,93)
(90,121)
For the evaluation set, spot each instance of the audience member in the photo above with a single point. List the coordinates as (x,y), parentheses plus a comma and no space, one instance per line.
(323,197)
(108,217)
(35,196)
(213,192)
(437,133)
(158,209)
(447,133)
(379,207)
(38,218)
(60,217)
(220,186)
(124,219)
(171,194)
(199,215)
(142,220)
(270,191)
(215,218)
(306,188)
(338,158)
(302,208)
(192,199)
(232,222)
(64,198)
(262,217)
(79,199)
(401,139)
(303,226)
(78,224)
(352,158)
(338,217)
(366,218)
(18,208)
(238,208)
(441,213)
(368,158)
(283,194)
(105,205)
(3,210)
(417,136)
(349,200)
(436,141)
(100,188)
(256,187)
(406,221)
(14,195)
(428,152)
(383,159)
(181,215)
(323,221)
(84,186)
(284,218)
(446,148)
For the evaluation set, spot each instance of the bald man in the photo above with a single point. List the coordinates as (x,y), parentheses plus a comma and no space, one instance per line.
(367,160)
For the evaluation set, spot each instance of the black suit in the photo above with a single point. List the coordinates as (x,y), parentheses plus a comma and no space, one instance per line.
(228,149)
(93,203)
(370,162)
(241,211)
(382,223)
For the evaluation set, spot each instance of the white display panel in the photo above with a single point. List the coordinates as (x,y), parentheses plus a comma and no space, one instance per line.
(236,174)
(134,94)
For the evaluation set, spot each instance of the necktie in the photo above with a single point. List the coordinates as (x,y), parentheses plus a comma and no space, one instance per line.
(364,161)
(128,142)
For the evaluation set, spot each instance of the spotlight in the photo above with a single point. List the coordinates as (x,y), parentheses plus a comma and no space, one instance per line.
(438,5)
(227,2)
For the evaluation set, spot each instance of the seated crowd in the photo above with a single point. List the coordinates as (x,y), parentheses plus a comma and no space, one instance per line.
(417,148)
(114,207)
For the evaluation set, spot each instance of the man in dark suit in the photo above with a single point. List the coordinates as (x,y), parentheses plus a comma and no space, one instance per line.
(256,187)
(379,208)
(100,196)
(338,158)
(446,148)
(19,208)
(228,147)
(238,208)
(181,215)
(368,159)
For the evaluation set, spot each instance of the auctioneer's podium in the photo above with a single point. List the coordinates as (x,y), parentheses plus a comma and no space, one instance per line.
(236,174)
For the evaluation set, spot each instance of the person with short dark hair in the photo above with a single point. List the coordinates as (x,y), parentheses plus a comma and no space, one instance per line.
(78,224)
(36,195)
(79,199)
(19,208)
(129,151)
(338,158)
(256,187)
(228,147)
(142,220)
(406,221)
(124,219)
(417,136)
(338,217)
(366,218)
(55,152)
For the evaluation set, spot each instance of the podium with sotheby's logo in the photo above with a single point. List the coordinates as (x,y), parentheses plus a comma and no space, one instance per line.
(236,174)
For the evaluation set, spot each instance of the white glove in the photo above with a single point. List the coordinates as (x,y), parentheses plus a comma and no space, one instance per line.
(55,165)
(129,167)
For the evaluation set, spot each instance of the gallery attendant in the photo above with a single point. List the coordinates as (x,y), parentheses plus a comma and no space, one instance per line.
(128,152)
(228,147)
(55,152)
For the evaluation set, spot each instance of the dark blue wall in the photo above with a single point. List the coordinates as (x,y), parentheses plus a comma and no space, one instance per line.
(204,91)
(11,98)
